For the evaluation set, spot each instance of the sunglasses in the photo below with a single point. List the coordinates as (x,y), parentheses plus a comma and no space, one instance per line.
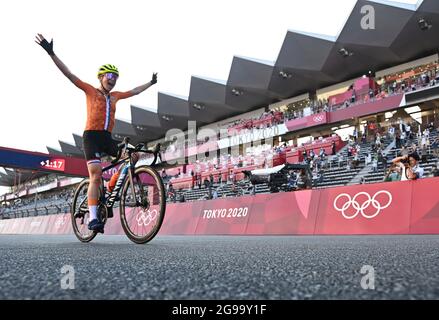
(111,75)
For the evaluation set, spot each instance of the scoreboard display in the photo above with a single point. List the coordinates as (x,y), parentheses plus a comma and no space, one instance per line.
(32,161)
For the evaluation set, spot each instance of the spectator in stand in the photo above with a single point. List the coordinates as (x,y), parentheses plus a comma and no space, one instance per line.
(398,143)
(304,182)
(368,159)
(394,86)
(434,171)
(206,183)
(199,182)
(355,161)
(410,169)
(375,164)
(435,147)
(408,132)
(403,138)
(304,155)
(363,138)
(340,160)
(171,192)
(393,174)
(354,96)
(391,133)
(292,180)
(333,148)
(348,164)
(321,176)
(424,154)
(378,140)
(355,135)
(322,154)
(193,179)
(178,175)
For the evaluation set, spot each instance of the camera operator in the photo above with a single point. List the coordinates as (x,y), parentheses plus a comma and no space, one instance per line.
(304,181)
(410,169)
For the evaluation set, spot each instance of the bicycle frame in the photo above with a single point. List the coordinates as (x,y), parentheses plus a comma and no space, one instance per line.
(113,197)
(109,202)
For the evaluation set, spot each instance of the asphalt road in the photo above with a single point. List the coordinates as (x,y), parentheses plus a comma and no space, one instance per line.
(220,267)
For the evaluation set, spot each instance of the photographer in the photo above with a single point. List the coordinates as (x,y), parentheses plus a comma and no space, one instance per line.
(393,174)
(410,169)
(304,181)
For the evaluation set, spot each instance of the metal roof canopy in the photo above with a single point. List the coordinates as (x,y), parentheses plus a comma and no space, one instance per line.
(207,101)
(307,62)
(173,111)
(78,141)
(412,42)
(125,129)
(70,150)
(146,123)
(54,151)
(252,75)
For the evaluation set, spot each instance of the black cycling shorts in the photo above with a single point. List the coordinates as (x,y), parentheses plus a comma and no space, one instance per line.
(97,143)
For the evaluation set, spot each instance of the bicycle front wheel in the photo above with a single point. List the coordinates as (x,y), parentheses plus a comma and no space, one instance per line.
(142,214)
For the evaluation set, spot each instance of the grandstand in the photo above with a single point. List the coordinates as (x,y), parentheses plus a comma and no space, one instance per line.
(346,117)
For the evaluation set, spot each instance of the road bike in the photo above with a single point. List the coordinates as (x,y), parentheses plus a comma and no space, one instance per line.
(139,190)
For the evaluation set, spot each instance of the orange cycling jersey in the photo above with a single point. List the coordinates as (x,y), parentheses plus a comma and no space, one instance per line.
(101,109)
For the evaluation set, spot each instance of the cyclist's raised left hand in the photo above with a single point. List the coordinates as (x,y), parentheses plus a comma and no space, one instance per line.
(48,46)
(154,78)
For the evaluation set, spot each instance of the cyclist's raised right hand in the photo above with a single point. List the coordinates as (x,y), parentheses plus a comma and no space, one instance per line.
(45,44)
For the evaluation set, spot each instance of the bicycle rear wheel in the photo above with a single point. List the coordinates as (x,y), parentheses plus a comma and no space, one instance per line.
(142,216)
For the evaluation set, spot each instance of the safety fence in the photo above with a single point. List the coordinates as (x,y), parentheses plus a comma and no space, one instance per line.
(382,208)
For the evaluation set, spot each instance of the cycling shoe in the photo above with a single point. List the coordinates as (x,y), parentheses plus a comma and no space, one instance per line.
(96,225)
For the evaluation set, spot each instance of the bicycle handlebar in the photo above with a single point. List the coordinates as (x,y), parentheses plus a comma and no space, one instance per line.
(138,148)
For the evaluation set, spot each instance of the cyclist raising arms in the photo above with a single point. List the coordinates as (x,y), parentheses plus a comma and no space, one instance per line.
(101,108)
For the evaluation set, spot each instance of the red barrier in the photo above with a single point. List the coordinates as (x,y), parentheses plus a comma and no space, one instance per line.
(367,108)
(220,217)
(340,98)
(425,207)
(181,219)
(382,208)
(309,121)
(284,213)
(295,155)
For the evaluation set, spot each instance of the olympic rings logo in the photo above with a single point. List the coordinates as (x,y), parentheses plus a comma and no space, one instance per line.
(360,208)
(145,218)
(318,118)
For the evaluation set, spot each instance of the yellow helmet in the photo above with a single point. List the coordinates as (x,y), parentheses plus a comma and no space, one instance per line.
(108,68)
